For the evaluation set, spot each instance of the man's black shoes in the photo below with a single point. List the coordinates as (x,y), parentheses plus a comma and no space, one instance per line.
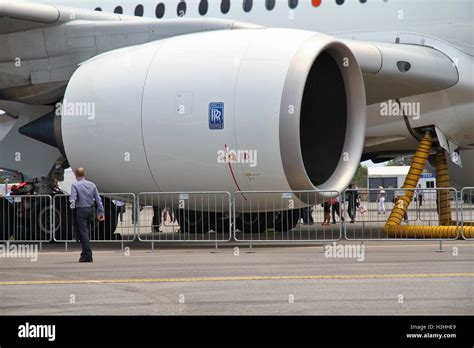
(85,260)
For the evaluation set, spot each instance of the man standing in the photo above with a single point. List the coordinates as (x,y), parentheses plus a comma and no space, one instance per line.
(419,194)
(353,198)
(381,201)
(82,198)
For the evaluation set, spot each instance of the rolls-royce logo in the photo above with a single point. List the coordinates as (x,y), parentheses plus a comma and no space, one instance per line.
(216,115)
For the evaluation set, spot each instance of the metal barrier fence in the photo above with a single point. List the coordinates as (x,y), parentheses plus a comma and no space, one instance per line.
(117,227)
(366,208)
(428,202)
(184,217)
(245,216)
(26,218)
(367,212)
(467,211)
(279,216)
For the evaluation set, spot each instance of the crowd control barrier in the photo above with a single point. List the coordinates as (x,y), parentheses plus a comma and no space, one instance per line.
(390,214)
(283,216)
(184,217)
(26,218)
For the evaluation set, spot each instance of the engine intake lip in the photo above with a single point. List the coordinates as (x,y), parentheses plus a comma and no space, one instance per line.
(307,166)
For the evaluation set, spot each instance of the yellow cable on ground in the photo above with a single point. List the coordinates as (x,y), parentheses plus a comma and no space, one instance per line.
(393,227)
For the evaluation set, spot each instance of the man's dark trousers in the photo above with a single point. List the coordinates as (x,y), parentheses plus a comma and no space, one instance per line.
(84,217)
(352,210)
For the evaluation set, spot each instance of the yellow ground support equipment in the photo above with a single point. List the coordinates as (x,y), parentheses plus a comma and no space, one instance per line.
(447,228)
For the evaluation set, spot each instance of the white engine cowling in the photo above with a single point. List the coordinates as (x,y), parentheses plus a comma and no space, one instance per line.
(295,97)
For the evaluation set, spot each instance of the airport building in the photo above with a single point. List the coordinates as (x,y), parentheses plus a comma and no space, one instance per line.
(393,177)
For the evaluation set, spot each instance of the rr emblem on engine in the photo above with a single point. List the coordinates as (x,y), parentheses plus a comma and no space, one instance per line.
(216,115)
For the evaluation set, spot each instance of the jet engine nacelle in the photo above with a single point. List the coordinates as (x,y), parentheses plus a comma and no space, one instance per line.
(257,109)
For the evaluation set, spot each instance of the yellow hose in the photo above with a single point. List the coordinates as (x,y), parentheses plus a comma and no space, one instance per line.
(442,181)
(393,227)
(416,168)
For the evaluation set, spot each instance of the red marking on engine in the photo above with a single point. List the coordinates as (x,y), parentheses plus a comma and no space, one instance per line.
(232,173)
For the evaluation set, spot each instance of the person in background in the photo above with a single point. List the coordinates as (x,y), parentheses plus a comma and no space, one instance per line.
(327,213)
(419,195)
(84,195)
(308,216)
(353,199)
(120,209)
(336,209)
(357,195)
(381,201)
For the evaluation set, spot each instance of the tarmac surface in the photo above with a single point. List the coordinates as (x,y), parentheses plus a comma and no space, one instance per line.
(394,278)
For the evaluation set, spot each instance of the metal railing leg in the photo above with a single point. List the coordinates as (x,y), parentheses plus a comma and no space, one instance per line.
(324,248)
(250,251)
(440,250)
(215,250)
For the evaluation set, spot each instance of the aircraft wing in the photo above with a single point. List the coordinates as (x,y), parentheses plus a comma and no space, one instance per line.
(46,43)
(42,45)
(15,17)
